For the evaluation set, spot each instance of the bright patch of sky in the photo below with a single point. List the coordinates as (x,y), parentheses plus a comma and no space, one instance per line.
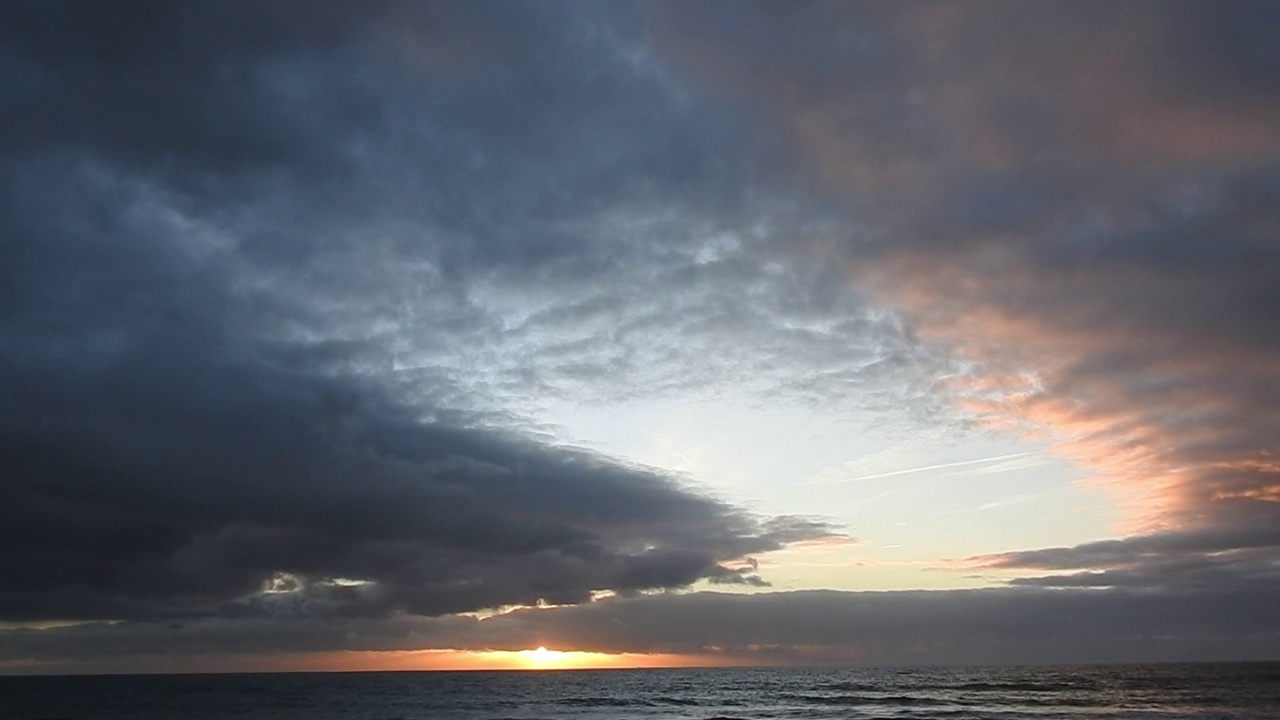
(911,499)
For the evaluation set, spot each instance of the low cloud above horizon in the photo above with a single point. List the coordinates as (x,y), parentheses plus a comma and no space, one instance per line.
(653,328)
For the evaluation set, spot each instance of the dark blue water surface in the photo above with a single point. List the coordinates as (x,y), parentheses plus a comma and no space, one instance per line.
(1169,691)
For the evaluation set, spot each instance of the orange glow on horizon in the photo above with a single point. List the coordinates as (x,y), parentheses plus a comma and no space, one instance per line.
(541,658)
(427,660)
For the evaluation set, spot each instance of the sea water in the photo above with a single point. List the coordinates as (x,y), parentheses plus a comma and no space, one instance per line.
(1164,691)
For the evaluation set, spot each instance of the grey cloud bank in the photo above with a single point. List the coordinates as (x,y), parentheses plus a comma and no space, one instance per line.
(971,627)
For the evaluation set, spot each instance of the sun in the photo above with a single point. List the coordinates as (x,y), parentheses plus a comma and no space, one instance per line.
(541,658)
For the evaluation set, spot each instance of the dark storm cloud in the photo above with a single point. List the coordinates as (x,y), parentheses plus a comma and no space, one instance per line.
(994,626)
(243,250)
(1081,202)
(512,202)
(167,453)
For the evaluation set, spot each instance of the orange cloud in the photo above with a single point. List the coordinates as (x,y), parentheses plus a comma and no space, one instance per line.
(1074,204)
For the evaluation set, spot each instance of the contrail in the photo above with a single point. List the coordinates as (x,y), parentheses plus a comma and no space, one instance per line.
(926,468)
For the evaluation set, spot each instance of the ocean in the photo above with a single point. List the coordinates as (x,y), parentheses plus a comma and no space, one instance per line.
(1164,691)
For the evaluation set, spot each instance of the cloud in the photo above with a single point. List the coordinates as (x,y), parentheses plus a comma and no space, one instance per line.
(170,453)
(1080,205)
(256,260)
(992,626)
(1201,558)
(514,203)
(283,291)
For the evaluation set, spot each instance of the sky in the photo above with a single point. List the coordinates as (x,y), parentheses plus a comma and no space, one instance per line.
(369,335)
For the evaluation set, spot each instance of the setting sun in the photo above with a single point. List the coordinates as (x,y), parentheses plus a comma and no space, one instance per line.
(542,656)
(539,658)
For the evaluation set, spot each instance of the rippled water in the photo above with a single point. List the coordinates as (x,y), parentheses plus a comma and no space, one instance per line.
(1227,690)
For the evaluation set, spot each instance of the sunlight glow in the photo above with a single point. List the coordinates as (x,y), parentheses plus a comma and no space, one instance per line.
(540,658)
